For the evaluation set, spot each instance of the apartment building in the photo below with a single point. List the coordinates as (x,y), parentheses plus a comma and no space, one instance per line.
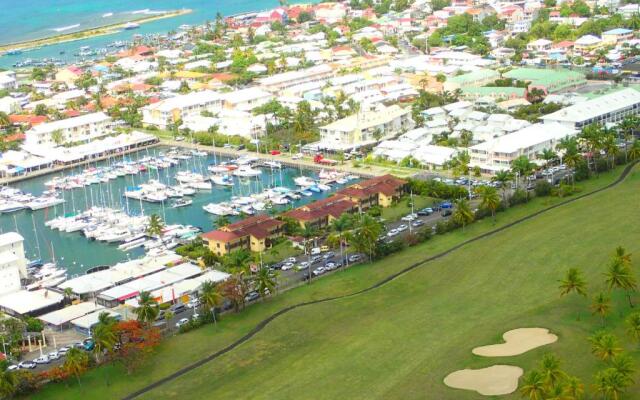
(166,112)
(82,129)
(254,233)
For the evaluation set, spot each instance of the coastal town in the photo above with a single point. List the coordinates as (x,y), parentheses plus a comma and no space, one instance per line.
(168,197)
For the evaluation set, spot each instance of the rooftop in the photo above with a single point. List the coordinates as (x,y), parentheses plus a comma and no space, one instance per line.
(595,107)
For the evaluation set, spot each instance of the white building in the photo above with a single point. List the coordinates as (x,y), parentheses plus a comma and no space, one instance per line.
(81,129)
(166,112)
(610,108)
(365,127)
(275,83)
(9,105)
(246,99)
(8,80)
(12,262)
(497,154)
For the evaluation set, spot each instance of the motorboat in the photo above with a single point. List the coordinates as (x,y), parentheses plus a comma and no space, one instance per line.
(246,170)
(222,180)
(183,202)
(11,206)
(272,164)
(304,181)
(44,202)
(219,209)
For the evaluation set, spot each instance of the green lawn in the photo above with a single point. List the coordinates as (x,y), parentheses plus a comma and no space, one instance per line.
(279,252)
(401,209)
(400,340)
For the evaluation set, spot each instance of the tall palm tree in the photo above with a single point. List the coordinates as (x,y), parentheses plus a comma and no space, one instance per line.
(156,226)
(610,147)
(369,229)
(634,150)
(222,220)
(147,310)
(604,345)
(8,383)
(266,282)
(633,326)
(623,363)
(502,178)
(610,383)
(550,370)
(574,389)
(104,335)
(573,282)
(340,226)
(76,362)
(619,276)
(462,214)
(489,199)
(548,155)
(4,120)
(622,255)
(522,167)
(533,386)
(210,296)
(592,136)
(601,305)
(626,127)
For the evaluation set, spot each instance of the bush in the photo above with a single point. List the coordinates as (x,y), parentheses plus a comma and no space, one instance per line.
(543,188)
(33,324)
(384,249)
(519,196)
(581,171)
(444,227)
(565,190)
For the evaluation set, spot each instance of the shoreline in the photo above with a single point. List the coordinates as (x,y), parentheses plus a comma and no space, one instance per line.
(89,33)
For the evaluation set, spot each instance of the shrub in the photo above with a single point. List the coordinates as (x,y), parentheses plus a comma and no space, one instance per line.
(519,196)
(543,188)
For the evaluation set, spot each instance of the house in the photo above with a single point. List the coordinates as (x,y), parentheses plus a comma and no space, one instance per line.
(587,43)
(246,99)
(166,112)
(84,129)
(68,75)
(278,82)
(320,213)
(9,105)
(8,80)
(614,36)
(380,191)
(539,45)
(255,233)
(365,127)
(12,262)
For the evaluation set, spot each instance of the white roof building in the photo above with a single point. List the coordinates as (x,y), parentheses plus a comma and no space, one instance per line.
(34,303)
(166,112)
(246,99)
(65,315)
(610,108)
(274,83)
(84,128)
(12,262)
(8,80)
(85,323)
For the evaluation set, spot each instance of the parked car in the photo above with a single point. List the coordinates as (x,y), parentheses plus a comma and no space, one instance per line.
(330,266)
(315,251)
(179,138)
(54,355)
(64,350)
(291,260)
(42,360)
(409,218)
(178,309)
(354,258)
(13,367)
(287,266)
(252,296)
(392,232)
(402,228)
(446,212)
(319,271)
(417,223)
(328,255)
(315,259)
(324,248)
(27,365)
(193,303)
(425,211)
(182,321)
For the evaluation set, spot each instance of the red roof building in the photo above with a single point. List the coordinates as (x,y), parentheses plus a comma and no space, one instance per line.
(320,213)
(254,233)
(379,191)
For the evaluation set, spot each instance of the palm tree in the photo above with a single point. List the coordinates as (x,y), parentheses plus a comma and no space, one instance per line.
(610,147)
(369,229)
(340,226)
(601,305)
(462,215)
(4,120)
(592,136)
(633,326)
(522,168)
(104,336)
(610,383)
(222,220)
(489,199)
(623,363)
(147,309)
(622,255)
(265,282)
(619,276)
(8,383)
(533,385)
(574,389)
(210,297)
(548,155)
(634,150)
(156,226)
(503,178)
(57,136)
(76,362)
(604,345)
(626,127)
(550,370)
(573,282)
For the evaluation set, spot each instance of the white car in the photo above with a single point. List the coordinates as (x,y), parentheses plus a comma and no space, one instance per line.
(291,260)
(179,138)
(193,303)
(409,218)
(63,350)
(319,271)
(297,156)
(54,355)
(27,365)
(13,368)
(392,232)
(287,266)
(42,360)
(402,228)
(183,321)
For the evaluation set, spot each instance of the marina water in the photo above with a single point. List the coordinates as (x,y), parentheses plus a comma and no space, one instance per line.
(77,253)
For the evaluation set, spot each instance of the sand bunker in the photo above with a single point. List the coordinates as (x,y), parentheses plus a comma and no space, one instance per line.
(491,381)
(517,341)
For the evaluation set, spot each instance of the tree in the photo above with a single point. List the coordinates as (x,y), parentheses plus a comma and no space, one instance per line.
(340,226)
(489,199)
(136,344)
(604,345)
(4,120)
(550,370)
(619,276)
(533,386)
(147,310)
(573,282)
(8,382)
(548,155)
(634,150)
(210,296)
(601,305)
(76,362)
(633,326)
(502,178)
(104,335)
(462,214)
(222,220)
(574,389)
(57,136)
(522,168)
(156,226)
(610,383)
(623,363)
(626,128)
(265,282)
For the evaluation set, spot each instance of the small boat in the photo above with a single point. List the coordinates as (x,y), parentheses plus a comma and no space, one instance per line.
(246,170)
(304,181)
(222,180)
(306,193)
(131,25)
(182,203)
(272,164)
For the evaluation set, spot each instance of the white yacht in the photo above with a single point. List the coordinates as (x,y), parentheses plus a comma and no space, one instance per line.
(246,170)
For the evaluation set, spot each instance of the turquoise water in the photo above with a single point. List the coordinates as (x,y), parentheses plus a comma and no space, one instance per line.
(77,253)
(29,19)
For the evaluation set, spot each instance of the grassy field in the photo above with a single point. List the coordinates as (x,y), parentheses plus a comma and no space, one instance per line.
(403,208)
(400,340)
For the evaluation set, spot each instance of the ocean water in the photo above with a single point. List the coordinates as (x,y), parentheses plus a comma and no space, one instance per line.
(30,19)
(77,254)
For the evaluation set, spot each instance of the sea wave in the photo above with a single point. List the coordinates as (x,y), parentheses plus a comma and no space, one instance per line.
(107,15)
(147,11)
(65,28)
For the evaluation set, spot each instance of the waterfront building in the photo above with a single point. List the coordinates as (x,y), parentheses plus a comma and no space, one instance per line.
(614,36)
(365,127)
(497,154)
(82,129)
(254,233)
(380,191)
(61,319)
(13,264)
(164,113)
(84,325)
(320,213)
(30,302)
(587,43)
(610,108)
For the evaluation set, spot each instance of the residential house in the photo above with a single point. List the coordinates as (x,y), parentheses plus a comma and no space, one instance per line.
(166,112)
(255,233)
(380,191)
(84,129)
(320,213)
(8,80)
(614,36)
